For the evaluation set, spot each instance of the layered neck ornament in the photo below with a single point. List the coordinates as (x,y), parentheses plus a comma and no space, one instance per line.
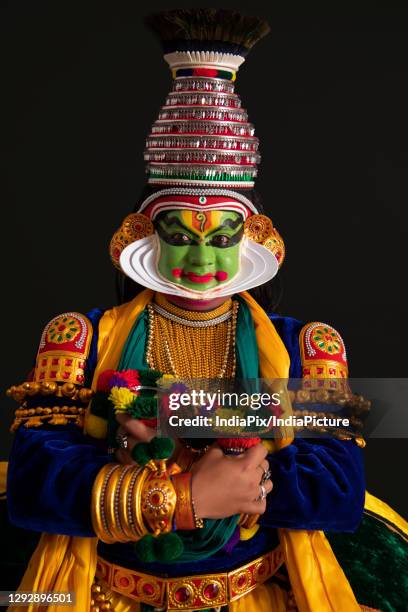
(201,154)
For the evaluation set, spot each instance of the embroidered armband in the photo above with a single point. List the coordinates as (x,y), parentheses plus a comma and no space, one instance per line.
(323,355)
(325,389)
(56,394)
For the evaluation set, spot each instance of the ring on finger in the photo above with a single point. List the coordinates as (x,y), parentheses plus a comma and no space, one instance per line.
(266,473)
(263,493)
(122,440)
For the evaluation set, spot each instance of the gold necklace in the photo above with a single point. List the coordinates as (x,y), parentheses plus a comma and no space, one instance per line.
(176,347)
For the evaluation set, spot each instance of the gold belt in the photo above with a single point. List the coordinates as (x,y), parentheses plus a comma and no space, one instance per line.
(189,592)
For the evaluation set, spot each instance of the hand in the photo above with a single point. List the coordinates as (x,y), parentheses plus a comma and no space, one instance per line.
(136,432)
(224,485)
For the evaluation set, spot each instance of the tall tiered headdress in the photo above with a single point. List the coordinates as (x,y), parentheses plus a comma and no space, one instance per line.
(201,153)
(202,136)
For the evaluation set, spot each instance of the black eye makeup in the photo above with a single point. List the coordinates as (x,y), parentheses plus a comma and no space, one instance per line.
(223,241)
(178,237)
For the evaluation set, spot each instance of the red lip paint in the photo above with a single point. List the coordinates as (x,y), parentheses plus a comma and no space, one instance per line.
(199,278)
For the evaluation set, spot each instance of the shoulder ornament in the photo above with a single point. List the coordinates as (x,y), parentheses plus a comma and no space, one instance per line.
(63,349)
(325,387)
(55,394)
(322,352)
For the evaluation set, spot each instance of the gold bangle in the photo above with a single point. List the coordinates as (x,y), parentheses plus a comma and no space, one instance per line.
(136,503)
(98,492)
(184,515)
(108,502)
(97,503)
(113,494)
(124,503)
(116,503)
(198,522)
(108,485)
(130,513)
(120,493)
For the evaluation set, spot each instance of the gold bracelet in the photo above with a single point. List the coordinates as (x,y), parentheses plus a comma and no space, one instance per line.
(124,503)
(113,494)
(109,501)
(120,493)
(116,503)
(158,501)
(107,522)
(184,515)
(198,522)
(98,517)
(136,503)
(124,497)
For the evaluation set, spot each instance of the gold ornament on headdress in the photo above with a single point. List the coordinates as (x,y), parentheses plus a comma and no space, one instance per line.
(259,229)
(134,227)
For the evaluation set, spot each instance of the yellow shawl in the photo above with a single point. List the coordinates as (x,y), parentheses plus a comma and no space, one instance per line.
(67,563)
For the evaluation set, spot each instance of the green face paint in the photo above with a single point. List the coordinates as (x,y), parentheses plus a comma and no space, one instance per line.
(199,249)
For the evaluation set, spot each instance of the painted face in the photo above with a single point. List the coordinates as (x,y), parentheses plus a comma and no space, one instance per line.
(199,249)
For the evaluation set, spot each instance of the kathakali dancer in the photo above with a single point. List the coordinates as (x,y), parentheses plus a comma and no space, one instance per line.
(133,521)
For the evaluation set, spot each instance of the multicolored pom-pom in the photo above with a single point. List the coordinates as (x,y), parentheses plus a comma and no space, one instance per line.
(118,378)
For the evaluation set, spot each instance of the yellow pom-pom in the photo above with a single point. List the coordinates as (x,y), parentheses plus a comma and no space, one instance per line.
(121,398)
(165,381)
(95,426)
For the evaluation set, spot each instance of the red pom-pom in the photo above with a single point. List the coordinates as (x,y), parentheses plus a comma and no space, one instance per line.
(104,381)
(129,377)
(109,378)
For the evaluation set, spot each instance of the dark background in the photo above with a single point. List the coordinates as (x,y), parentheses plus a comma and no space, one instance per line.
(328,94)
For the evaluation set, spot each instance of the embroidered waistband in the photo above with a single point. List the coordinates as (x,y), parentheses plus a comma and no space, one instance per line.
(189,592)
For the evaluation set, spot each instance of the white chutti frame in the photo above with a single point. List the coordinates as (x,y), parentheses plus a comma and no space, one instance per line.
(139,262)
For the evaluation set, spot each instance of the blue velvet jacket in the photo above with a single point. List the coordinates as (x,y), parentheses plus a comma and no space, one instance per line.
(318,484)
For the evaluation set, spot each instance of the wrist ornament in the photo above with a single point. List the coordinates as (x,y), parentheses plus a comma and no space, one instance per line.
(137,504)
(185,517)
(114,513)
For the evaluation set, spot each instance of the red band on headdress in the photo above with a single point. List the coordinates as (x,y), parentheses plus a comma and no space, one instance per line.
(174,202)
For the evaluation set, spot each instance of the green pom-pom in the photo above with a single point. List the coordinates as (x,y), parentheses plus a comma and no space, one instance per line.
(149,377)
(143,408)
(145,548)
(168,547)
(141,453)
(161,448)
(157,448)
